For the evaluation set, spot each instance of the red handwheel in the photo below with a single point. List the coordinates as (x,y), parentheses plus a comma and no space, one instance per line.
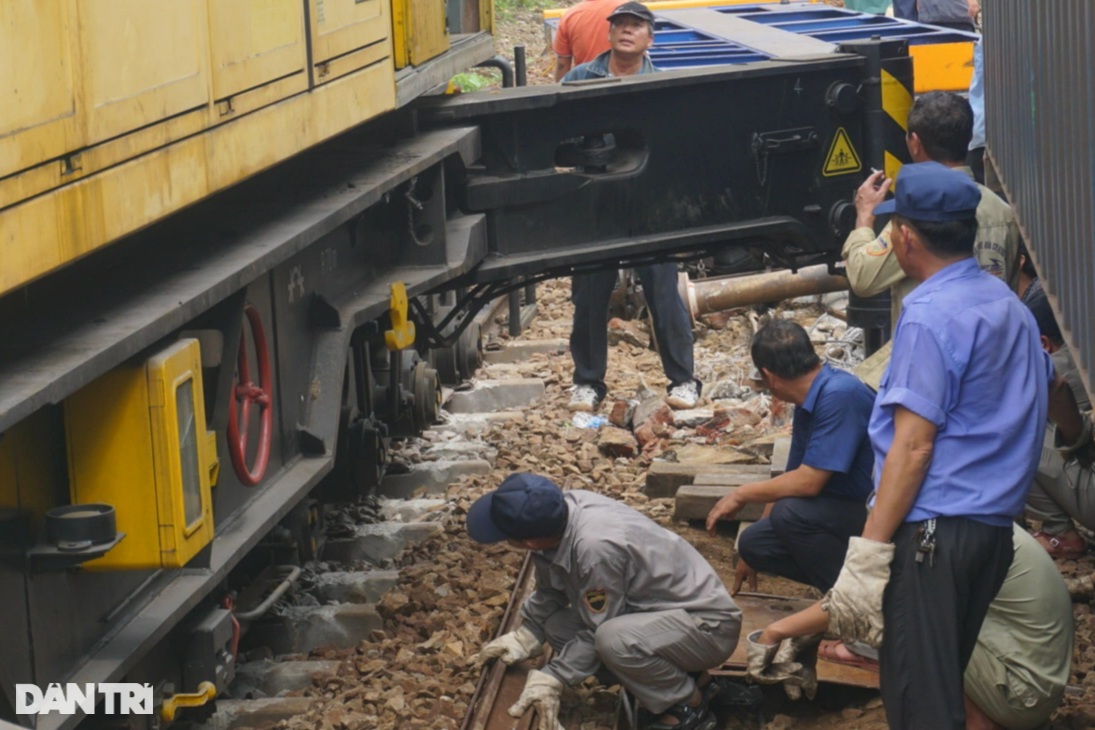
(244,394)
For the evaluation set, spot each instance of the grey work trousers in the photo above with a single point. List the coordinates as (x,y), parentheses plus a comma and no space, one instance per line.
(1062,492)
(589,336)
(651,654)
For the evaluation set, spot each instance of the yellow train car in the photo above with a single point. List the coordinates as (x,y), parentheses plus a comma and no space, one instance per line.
(116,114)
(143,148)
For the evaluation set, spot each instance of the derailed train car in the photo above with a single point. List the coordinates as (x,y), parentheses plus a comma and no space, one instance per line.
(1039,107)
(187,377)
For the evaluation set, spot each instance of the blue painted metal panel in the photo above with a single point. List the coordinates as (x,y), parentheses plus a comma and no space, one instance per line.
(680,46)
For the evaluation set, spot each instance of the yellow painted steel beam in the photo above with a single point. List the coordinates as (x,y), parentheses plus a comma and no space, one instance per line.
(59,226)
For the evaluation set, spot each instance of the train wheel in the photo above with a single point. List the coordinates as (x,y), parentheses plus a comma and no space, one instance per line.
(245,393)
(427,396)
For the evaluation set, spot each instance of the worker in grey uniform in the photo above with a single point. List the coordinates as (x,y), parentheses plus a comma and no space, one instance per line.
(614,591)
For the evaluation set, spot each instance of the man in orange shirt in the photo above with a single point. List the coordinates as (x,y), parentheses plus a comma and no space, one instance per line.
(582,34)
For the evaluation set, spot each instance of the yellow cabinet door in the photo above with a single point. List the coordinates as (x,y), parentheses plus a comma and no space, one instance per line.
(348,35)
(142,63)
(256,42)
(38,82)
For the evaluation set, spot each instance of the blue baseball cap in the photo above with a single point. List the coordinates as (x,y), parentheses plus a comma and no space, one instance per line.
(524,506)
(928,191)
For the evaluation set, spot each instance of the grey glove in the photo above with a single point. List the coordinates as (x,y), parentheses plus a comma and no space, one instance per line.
(542,691)
(513,647)
(759,658)
(797,659)
(854,603)
(792,663)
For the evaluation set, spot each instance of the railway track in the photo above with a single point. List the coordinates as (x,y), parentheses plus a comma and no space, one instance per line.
(392,668)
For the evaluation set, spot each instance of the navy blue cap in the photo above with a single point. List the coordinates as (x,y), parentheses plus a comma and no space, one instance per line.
(632,8)
(928,191)
(524,506)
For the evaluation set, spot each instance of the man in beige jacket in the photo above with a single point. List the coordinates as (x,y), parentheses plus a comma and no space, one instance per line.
(939,129)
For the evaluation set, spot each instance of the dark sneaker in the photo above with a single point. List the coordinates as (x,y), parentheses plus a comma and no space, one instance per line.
(688,718)
(725,692)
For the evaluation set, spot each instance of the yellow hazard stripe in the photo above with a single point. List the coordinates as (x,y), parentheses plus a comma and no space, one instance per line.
(896,99)
(892,166)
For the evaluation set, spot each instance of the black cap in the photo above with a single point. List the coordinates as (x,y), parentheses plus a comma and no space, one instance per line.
(639,10)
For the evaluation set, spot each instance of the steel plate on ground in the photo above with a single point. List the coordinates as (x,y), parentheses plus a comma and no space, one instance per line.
(758,610)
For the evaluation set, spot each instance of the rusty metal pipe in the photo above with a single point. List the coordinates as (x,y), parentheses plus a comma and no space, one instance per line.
(717,295)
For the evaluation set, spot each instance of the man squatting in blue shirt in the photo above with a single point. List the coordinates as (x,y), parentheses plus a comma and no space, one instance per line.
(954,456)
(821,499)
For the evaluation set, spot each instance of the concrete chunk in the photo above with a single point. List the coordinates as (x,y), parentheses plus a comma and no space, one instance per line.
(664,477)
(496,395)
(269,678)
(431,477)
(694,502)
(781,451)
(727,480)
(692,417)
(410,510)
(518,351)
(473,423)
(261,713)
(355,586)
(379,542)
(341,626)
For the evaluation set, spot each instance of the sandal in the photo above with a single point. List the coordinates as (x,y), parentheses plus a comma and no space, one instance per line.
(1061,549)
(831,652)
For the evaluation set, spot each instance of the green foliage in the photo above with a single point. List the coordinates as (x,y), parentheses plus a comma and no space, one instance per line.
(473,81)
(506,9)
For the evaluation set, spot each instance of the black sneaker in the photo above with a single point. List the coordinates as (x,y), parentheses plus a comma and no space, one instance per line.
(688,718)
(725,692)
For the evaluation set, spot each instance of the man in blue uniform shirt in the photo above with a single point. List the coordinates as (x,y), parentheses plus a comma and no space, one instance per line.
(821,499)
(957,431)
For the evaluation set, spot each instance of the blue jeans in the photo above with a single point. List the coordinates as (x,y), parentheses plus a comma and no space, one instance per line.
(905,9)
(589,337)
(804,539)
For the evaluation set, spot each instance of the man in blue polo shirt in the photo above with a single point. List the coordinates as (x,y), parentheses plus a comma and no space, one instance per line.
(957,432)
(821,499)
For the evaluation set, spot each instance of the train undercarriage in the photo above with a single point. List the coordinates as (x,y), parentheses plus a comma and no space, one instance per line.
(167,403)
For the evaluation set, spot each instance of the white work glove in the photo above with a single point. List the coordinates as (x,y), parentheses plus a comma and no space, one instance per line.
(797,659)
(513,647)
(854,603)
(792,663)
(542,691)
(759,658)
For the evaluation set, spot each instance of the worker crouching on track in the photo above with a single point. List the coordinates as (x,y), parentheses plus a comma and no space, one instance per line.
(614,591)
(1016,675)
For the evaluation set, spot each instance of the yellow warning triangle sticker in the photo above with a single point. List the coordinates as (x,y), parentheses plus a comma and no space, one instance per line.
(842,158)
